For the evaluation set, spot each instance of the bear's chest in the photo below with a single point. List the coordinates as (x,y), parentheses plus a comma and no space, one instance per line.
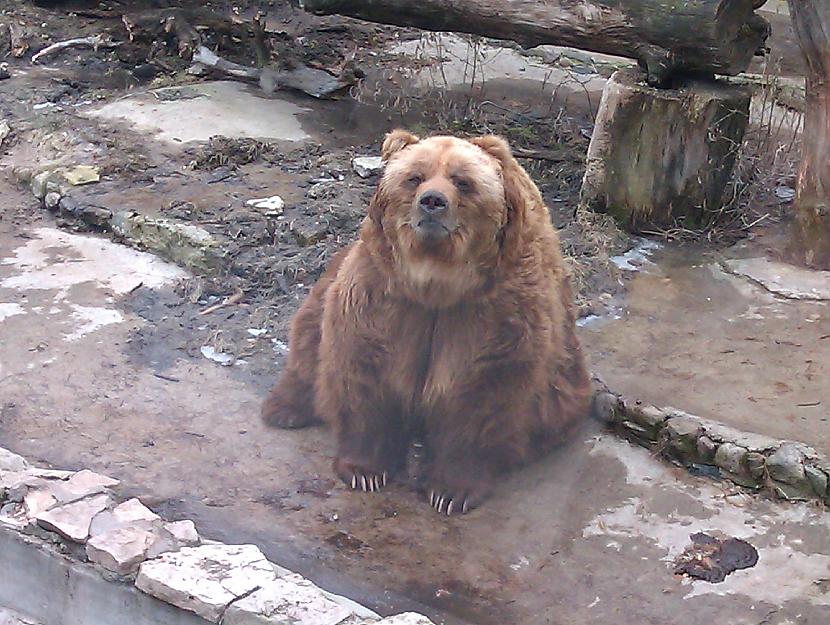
(431,351)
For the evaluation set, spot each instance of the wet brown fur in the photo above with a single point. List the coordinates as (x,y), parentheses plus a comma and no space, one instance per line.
(469,343)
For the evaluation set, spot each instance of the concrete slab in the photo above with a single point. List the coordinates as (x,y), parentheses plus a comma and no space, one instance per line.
(199,112)
(71,280)
(783,279)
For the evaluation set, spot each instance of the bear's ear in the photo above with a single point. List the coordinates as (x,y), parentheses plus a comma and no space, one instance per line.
(396,141)
(520,193)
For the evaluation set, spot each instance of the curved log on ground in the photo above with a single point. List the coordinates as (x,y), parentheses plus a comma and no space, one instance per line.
(667,37)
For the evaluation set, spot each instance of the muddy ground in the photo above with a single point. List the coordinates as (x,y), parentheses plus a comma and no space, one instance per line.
(272,259)
(102,361)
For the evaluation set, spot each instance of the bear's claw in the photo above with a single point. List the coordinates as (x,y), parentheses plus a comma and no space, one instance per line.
(445,503)
(367,482)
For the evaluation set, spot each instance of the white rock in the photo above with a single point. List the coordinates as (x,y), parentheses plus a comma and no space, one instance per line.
(80,485)
(205,579)
(367,166)
(72,520)
(50,474)
(174,536)
(38,500)
(273,205)
(184,532)
(122,550)
(289,600)
(17,484)
(131,513)
(408,618)
(133,510)
(12,462)
(208,351)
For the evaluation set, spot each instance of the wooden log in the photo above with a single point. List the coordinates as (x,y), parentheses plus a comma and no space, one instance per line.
(811,236)
(667,37)
(659,157)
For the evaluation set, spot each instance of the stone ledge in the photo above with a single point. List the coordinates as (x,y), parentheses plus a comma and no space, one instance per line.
(74,524)
(786,469)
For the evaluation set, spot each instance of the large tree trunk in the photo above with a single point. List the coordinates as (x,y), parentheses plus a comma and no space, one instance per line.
(666,36)
(659,157)
(811,238)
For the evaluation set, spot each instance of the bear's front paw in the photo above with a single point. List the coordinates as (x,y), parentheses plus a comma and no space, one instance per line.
(457,494)
(359,477)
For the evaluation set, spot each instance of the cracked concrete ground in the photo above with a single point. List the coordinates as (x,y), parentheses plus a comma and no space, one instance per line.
(549,548)
(697,337)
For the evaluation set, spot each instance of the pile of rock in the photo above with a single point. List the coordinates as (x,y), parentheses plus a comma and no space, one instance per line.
(79,514)
(788,469)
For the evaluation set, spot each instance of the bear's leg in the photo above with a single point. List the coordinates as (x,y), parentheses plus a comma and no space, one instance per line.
(371,448)
(479,432)
(354,395)
(464,460)
(290,404)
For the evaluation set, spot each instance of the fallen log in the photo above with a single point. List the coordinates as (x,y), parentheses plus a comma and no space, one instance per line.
(667,37)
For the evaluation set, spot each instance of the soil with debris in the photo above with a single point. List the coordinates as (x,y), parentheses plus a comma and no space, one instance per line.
(272,257)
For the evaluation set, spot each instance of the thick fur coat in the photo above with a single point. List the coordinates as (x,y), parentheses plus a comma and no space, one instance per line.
(450,320)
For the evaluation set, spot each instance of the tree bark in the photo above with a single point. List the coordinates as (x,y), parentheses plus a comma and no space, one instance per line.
(661,157)
(811,237)
(667,37)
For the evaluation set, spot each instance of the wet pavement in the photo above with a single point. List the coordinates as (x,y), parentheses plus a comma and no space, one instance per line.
(589,535)
(695,336)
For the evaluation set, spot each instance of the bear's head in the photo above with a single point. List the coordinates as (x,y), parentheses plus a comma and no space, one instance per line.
(448,210)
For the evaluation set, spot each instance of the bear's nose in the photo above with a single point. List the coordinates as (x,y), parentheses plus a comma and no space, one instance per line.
(433,202)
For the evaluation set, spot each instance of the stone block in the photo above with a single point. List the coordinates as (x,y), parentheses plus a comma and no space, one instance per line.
(680,436)
(606,407)
(38,500)
(786,464)
(82,484)
(173,536)
(730,457)
(72,520)
(205,579)
(706,449)
(756,465)
(121,550)
(650,417)
(818,481)
(367,166)
(288,600)
(12,462)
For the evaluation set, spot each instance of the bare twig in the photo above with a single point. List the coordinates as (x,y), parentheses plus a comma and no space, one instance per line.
(228,301)
(19,41)
(204,56)
(553,156)
(95,42)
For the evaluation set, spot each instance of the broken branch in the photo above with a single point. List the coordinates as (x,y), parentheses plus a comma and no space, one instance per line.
(228,301)
(94,42)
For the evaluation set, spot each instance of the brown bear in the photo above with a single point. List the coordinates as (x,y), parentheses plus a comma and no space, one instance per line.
(450,319)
